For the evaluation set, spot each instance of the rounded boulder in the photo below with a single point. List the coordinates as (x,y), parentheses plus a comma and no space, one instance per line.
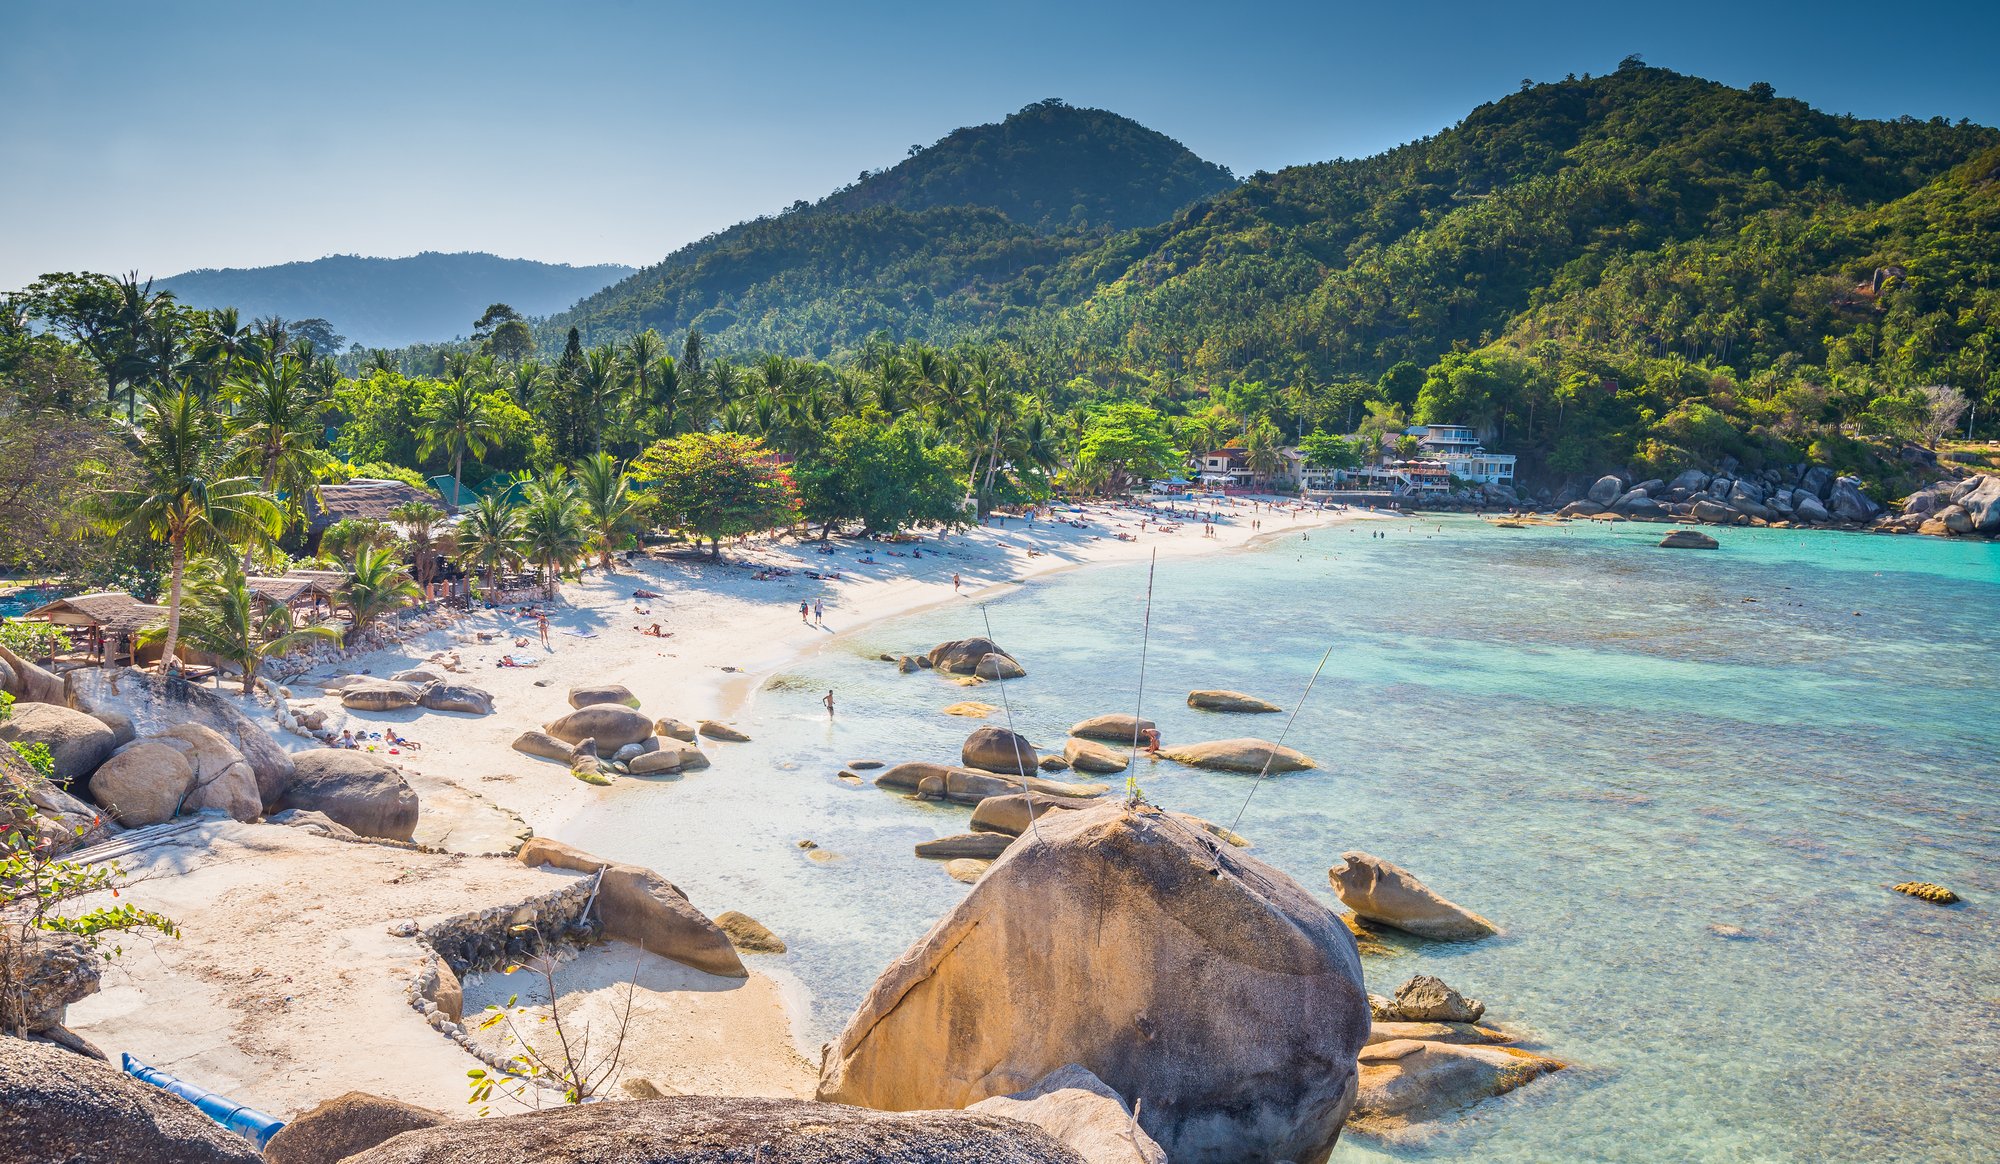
(77,742)
(612,725)
(356,789)
(1230,701)
(379,695)
(345,1125)
(996,749)
(1239,755)
(1091,756)
(142,783)
(602,693)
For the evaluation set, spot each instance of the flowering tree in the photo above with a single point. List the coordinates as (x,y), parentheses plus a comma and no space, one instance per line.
(715,486)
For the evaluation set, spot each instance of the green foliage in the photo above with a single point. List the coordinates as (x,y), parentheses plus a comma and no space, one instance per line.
(886,478)
(1330,452)
(37,756)
(555,526)
(376,585)
(224,618)
(715,485)
(30,640)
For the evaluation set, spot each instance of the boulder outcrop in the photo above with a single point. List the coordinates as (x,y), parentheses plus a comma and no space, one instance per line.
(544,745)
(62,1106)
(1132,944)
(459,697)
(1406,1082)
(1115,728)
(964,656)
(142,783)
(357,790)
(153,703)
(345,1125)
(1383,892)
(595,694)
(220,778)
(639,906)
(1077,1108)
(1229,701)
(379,695)
(1239,755)
(30,682)
(997,749)
(77,742)
(612,725)
(1981,504)
(1424,999)
(700,1130)
(1091,756)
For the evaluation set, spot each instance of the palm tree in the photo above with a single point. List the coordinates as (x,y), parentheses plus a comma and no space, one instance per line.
(376,584)
(1262,452)
(278,430)
(554,528)
(490,536)
(596,386)
(179,494)
(459,421)
(224,343)
(351,535)
(222,619)
(608,505)
(419,521)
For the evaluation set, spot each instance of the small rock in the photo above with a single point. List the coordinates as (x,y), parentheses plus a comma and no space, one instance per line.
(1927,890)
(967,869)
(748,934)
(1688,539)
(864,765)
(808,844)
(1230,701)
(716,730)
(1426,999)
(971,710)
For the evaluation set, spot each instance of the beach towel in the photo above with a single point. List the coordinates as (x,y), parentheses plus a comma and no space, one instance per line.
(518,661)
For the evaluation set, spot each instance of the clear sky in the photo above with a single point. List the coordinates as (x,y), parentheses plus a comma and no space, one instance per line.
(170,134)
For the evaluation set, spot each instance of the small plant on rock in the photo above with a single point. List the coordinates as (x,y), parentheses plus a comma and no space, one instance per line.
(562,1060)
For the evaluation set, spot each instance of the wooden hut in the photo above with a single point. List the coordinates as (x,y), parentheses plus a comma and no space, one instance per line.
(104,626)
(307,594)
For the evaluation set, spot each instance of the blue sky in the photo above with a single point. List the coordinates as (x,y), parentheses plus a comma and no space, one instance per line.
(170,135)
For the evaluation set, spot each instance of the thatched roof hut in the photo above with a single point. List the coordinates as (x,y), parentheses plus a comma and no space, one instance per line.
(364,499)
(109,611)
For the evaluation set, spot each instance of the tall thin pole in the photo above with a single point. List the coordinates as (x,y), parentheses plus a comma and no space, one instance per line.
(1139,701)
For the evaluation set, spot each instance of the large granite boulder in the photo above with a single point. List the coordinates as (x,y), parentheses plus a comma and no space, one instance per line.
(30,682)
(346,1125)
(599,693)
(1381,891)
(142,783)
(1091,756)
(1077,1108)
(358,790)
(459,697)
(639,906)
(220,778)
(996,749)
(702,1130)
(544,745)
(1715,513)
(153,703)
(1230,701)
(1116,728)
(963,657)
(1605,489)
(1688,482)
(1013,813)
(1806,507)
(68,1108)
(1848,503)
(379,695)
(60,819)
(1174,968)
(1239,755)
(612,725)
(1818,481)
(1688,539)
(1406,1081)
(77,742)
(1982,505)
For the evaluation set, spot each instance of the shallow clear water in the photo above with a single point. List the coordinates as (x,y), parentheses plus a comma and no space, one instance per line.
(1599,744)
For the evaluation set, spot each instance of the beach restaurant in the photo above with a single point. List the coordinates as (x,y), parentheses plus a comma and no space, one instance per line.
(103,626)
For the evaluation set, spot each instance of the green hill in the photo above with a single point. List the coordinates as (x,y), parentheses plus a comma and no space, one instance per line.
(393,302)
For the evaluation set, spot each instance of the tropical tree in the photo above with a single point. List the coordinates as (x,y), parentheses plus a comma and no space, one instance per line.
(350,535)
(420,530)
(222,618)
(608,504)
(376,584)
(489,537)
(1262,453)
(460,421)
(178,492)
(555,529)
(278,423)
(1127,441)
(716,485)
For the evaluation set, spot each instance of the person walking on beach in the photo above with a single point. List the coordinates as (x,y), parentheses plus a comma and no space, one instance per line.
(542,625)
(828,701)
(819,611)
(805,612)
(955,583)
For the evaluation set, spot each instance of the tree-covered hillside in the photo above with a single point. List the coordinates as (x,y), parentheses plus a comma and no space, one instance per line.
(393,302)
(955,236)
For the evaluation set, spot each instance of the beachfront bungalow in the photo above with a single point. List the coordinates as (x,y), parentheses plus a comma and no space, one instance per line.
(362,499)
(1457,447)
(308,594)
(103,626)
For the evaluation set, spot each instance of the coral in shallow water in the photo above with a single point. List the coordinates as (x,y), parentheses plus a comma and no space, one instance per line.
(1929,891)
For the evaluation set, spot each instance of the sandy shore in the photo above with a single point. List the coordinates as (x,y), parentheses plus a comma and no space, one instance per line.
(287,988)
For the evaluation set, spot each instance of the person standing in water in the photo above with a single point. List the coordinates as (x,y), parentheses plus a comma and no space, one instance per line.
(828,701)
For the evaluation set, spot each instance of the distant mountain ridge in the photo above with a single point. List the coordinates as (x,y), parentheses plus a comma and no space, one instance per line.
(391,303)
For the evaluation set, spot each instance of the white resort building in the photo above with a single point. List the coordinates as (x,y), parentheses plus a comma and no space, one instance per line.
(1457,448)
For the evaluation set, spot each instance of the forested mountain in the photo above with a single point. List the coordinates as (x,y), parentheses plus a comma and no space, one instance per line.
(393,302)
(954,236)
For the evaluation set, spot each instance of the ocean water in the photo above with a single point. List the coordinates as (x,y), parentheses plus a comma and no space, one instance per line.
(1606,747)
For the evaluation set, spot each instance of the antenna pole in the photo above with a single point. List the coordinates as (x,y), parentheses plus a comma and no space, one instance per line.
(1273,753)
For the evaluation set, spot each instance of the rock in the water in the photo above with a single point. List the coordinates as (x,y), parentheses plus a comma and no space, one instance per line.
(222,778)
(670,756)
(979,846)
(379,695)
(154,703)
(1383,1032)
(1384,892)
(1172,968)
(674,729)
(967,869)
(700,1130)
(970,786)
(1054,764)
(748,934)
(639,906)
(971,709)
(1229,701)
(1405,1082)
(998,666)
(1929,891)
(359,790)
(346,1125)
(460,697)
(612,725)
(717,730)
(77,742)
(996,749)
(1077,1108)
(864,765)
(1424,999)
(602,693)
(964,657)
(1688,539)
(1114,728)
(534,743)
(1091,756)
(1239,755)
(142,783)
(62,1106)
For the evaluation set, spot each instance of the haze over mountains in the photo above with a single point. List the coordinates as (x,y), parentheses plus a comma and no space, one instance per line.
(392,303)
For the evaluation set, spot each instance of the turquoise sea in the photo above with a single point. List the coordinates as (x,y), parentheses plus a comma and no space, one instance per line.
(1606,747)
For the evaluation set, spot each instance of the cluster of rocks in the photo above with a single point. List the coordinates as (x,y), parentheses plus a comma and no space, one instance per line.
(393,630)
(1799,495)
(146,748)
(1952,508)
(974,660)
(607,736)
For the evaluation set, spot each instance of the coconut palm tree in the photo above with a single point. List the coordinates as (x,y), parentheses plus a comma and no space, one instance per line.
(278,424)
(489,538)
(555,531)
(1263,453)
(419,521)
(459,421)
(597,383)
(178,492)
(376,584)
(608,505)
(222,619)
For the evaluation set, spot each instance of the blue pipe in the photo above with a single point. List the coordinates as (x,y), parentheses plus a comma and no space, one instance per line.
(253,1125)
